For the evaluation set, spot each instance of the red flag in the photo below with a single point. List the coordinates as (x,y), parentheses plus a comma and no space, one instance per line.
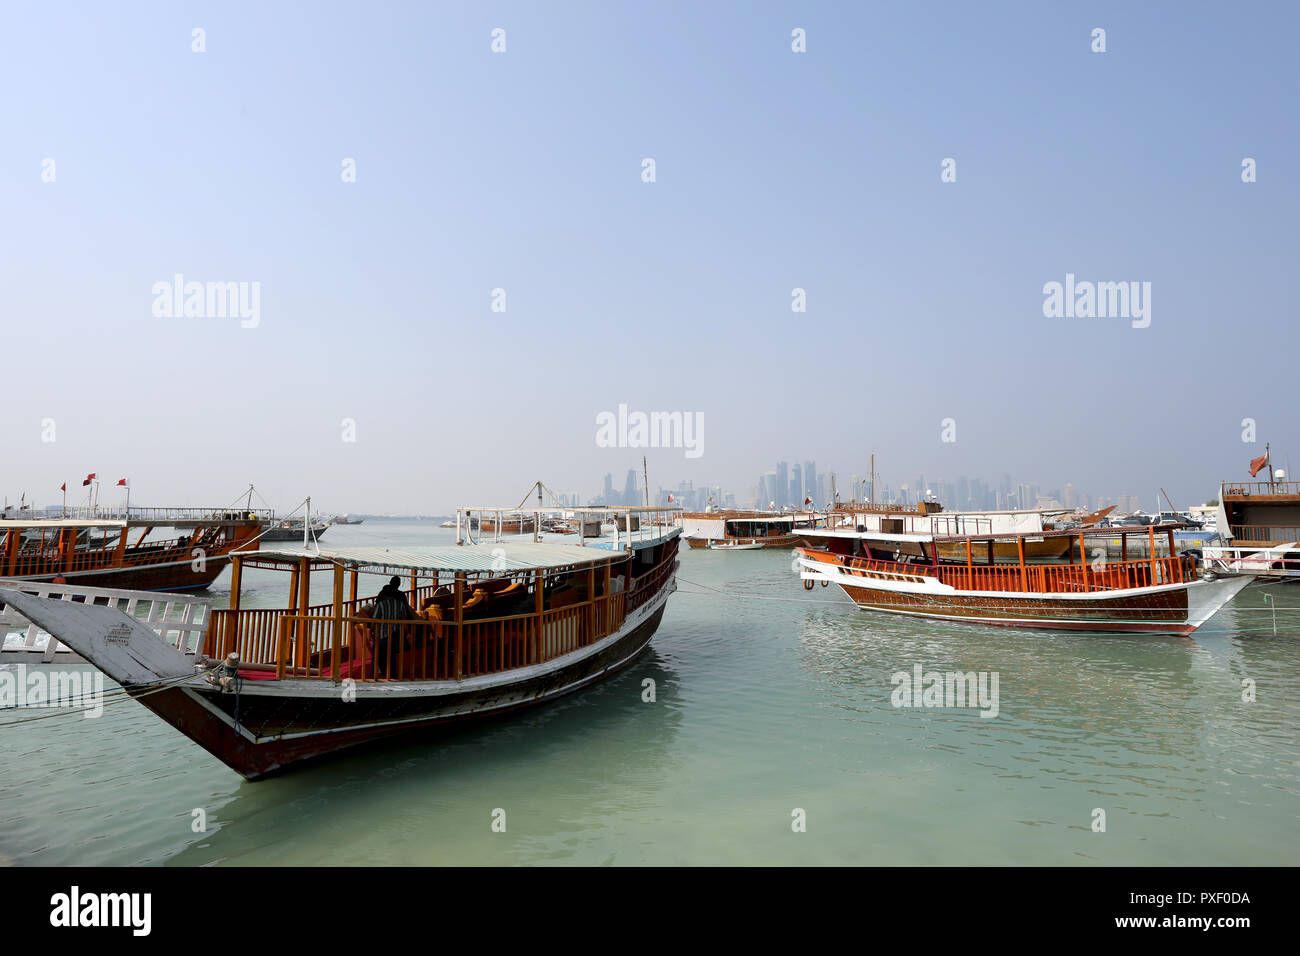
(121,481)
(807,501)
(89,478)
(1257,464)
(670,499)
(63,487)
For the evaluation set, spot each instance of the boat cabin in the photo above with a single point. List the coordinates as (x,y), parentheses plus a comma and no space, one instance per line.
(457,611)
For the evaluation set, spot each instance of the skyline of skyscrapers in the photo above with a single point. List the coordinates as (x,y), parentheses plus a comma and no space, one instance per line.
(788,484)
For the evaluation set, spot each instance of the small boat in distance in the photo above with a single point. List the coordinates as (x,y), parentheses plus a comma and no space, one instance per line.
(346,519)
(481,629)
(291,529)
(737,546)
(505,524)
(905,574)
(760,529)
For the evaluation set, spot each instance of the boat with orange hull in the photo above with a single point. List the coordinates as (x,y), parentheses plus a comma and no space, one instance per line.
(904,574)
(114,551)
(482,629)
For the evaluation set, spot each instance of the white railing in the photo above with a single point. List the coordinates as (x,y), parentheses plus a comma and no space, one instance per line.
(1282,562)
(181,620)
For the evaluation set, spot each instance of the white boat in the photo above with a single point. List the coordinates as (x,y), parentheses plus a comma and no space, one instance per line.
(736,545)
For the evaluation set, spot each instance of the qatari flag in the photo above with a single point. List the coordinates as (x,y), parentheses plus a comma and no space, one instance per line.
(89,478)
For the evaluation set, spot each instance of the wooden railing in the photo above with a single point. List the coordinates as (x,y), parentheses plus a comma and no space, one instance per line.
(414,650)
(49,558)
(259,628)
(319,644)
(1032,578)
(648,585)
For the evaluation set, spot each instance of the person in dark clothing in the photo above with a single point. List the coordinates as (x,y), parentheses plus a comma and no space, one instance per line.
(390,605)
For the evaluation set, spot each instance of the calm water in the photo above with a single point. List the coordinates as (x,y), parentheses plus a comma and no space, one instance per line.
(769,698)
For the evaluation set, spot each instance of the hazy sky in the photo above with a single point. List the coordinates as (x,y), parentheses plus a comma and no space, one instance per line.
(523,171)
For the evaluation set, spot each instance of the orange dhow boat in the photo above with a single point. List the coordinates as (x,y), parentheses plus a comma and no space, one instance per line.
(906,574)
(928,517)
(113,550)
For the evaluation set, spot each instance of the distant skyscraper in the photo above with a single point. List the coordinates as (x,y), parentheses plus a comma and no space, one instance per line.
(796,485)
(607,494)
(782,490)
(630,496)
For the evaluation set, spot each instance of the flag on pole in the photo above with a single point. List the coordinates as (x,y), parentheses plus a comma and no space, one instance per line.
(122,482)
(89,478)
(807,501)
(1258,464)
(63,487)
(670,499)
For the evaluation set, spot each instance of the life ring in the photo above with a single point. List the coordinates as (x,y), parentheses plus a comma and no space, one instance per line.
(808,584)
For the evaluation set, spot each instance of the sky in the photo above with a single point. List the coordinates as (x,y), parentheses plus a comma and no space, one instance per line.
(377,377)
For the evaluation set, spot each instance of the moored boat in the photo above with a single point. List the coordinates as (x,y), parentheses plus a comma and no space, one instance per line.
(1261,522)
(482,629)
(291,529)
(761,529)
(505,524)
(116,552)
(904,574)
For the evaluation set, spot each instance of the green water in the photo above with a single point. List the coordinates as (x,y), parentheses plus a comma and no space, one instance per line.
(768,698)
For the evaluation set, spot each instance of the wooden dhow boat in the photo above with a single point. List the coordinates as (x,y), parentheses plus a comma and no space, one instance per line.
(928,517)
(114,550)
(762,529)
(905,574)
(480,629)
(505,524)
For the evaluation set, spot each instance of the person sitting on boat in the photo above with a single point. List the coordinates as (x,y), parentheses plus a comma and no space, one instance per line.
(390,605)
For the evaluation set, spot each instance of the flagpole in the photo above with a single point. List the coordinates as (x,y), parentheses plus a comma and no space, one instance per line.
(65,499)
